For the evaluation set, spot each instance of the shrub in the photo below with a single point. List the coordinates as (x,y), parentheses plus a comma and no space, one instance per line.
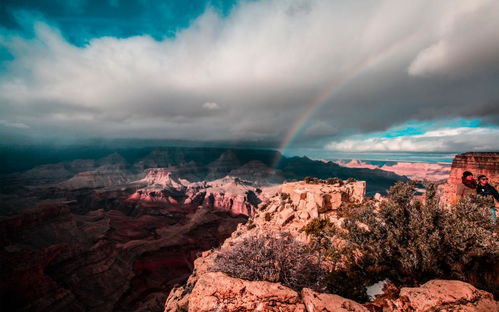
(268,217)
(408,240)
(319,227)
(285,197)
(351,180)
(411,242)
(334,181)
(274,259)
(250,225)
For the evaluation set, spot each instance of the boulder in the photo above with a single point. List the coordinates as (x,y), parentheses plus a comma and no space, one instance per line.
(315,302)
(443,295)
(285,216)
(216,291)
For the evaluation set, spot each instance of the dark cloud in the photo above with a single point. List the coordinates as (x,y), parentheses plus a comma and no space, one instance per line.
(372,65)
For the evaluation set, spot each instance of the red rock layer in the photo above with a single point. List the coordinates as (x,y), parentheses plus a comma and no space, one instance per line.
(478,163)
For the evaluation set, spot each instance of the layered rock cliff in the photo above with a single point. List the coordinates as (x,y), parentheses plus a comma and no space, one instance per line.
(227,194)
(208,289)
(62,257)
(437,172)
(112,248)
(117,232)
(478,163)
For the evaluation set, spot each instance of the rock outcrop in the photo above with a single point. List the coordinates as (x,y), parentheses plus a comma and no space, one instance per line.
(228,194)
(288,211)
(440,295)
(217,291)
(475,162)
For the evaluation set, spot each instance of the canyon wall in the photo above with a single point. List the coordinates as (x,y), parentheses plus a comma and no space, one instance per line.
(116,233)
(207,289)
(478,163)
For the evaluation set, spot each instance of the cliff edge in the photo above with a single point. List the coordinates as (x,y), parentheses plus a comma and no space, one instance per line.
(299,203)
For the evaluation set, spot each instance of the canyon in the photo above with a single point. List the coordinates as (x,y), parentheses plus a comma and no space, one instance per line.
(122,231)
(116,233)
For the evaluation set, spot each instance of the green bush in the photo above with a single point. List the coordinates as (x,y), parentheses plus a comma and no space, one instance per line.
(411,242)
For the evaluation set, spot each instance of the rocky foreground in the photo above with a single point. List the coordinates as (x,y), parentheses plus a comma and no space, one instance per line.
(209,290)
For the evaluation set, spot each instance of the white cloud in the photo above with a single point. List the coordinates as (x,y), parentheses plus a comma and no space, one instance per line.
(19,125)
(211,106)
(439,140)
(265,63)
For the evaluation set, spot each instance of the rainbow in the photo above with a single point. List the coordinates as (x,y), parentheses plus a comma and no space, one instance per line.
(333,87)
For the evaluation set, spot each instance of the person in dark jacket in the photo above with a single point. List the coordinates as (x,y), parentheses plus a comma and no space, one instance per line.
(485,189)
(466,187)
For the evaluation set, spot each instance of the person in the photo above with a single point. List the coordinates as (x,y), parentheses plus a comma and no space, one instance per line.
(485,189)
(467,186)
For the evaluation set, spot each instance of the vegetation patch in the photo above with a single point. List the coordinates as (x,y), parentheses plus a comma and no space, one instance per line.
(275,259)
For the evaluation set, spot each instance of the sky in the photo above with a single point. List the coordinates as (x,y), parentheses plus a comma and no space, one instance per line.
(304,76)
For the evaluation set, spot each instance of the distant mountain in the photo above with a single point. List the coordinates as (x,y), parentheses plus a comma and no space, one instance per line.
(122,166)
(437,172)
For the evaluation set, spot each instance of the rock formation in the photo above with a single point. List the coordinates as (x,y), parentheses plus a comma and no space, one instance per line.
(116,233)
(475,162)
(356,163)
(420,171)
(413,170)
(289,211)
(228,194)
(101,260)
(439,295)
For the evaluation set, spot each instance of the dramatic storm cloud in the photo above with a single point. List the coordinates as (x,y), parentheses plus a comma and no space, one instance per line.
(304,73)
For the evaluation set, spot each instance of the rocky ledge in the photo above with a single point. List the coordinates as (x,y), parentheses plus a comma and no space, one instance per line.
(486,163)
(209,290)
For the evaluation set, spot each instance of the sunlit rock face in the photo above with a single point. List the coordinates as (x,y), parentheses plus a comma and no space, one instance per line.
(228,194)
(475,162)
(413,170)
(439,295)
(420,171)
(288,211)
